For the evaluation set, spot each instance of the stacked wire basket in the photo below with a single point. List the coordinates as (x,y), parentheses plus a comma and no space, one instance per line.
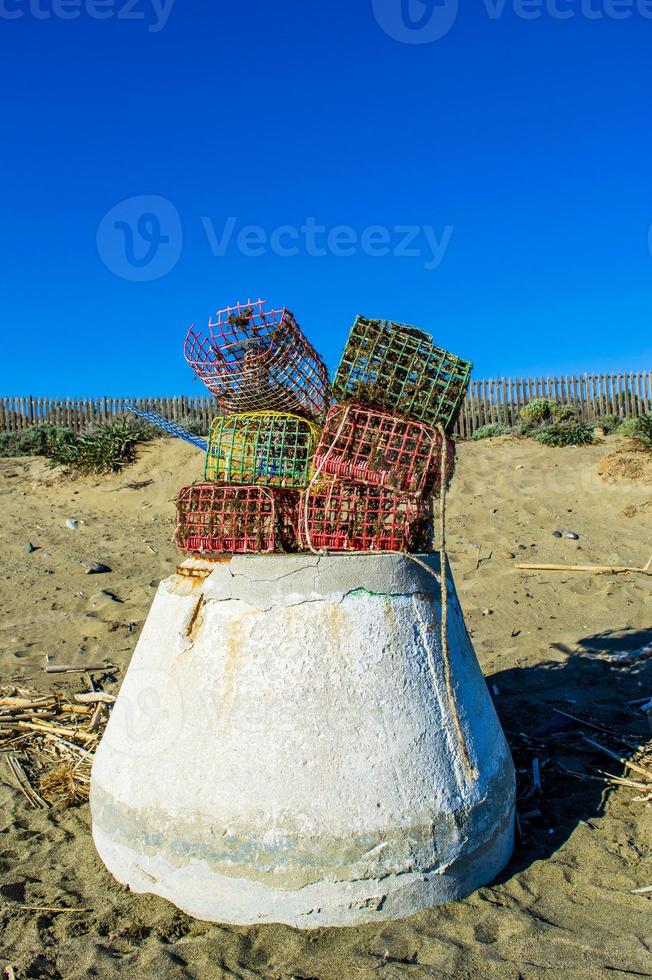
(295,464)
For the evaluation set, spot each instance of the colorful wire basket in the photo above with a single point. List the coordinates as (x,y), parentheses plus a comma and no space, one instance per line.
(268,448)
(339,516)
(370,447)
(397,368)
(215,519)
(255,360)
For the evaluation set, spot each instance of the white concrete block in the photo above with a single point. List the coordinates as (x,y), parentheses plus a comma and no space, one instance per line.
(282,748)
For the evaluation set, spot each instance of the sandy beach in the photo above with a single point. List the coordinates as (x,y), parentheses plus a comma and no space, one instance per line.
(564,906)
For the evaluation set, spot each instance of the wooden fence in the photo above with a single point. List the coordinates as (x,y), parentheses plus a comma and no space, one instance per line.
(498,400)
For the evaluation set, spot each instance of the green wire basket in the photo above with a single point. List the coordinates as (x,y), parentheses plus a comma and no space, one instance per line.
(397,368)
(261,448)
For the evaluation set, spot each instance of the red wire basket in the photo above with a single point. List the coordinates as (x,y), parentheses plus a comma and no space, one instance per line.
(257,360)
(376,449)
(348,517)
(214,519)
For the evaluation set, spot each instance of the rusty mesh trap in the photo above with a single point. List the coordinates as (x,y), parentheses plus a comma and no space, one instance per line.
(371,447)
(349,517)
(254,359)
(397,368)
(268,448)
(217,519)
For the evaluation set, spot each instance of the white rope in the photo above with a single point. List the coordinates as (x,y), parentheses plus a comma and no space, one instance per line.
(471,771)
(315,477)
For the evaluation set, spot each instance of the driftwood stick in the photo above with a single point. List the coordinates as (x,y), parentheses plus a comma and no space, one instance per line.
(97,714)
(95,697)
(592,569)
(76,709)
(618,758)
(71,669)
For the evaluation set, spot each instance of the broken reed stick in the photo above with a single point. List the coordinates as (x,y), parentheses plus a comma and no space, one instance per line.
(24,784)
(71,669)
(26,716)
(85,753)
(631,656)
(623,761)
(56,730)
(536,773)
(642,891)
(606,777)
(44,702)
(598,728)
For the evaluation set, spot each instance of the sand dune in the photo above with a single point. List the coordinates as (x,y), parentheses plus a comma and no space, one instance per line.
(563,906)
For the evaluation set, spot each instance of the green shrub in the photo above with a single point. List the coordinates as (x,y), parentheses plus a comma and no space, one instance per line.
(564,413)
(524,428)
(106,448)
(35,441)
(565,434)
(609,423)
(39,439)
(627,427)
(197,426)
(643,431)
(490,430)
(8,443)
(538,410)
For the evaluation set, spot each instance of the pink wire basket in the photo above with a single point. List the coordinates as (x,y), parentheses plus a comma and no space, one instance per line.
(215,519)
(339,516)
(376,449)
(255,359)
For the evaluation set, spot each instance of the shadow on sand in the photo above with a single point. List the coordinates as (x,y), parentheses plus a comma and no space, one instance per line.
(589,686)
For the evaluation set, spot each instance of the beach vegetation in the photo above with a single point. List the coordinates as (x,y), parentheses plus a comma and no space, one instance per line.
(642,432)
(104,448)
(490,430)
(565,433)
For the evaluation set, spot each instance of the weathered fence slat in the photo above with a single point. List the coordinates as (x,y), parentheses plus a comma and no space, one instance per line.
(488,400)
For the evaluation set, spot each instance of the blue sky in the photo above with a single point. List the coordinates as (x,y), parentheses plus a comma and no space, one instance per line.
(510,158)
